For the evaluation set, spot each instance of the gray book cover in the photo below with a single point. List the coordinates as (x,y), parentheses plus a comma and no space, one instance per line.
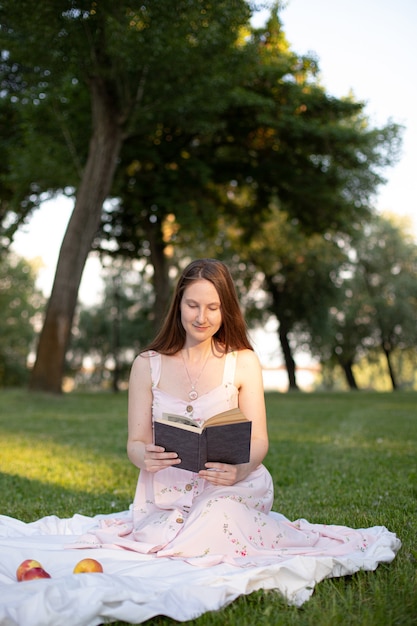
(224,443)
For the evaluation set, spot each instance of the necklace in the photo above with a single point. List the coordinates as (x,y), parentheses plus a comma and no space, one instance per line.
(193,394)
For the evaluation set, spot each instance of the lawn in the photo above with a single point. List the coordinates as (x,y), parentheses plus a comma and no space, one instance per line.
(342,458)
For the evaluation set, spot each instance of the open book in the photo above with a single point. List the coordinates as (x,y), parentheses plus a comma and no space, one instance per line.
(223,438)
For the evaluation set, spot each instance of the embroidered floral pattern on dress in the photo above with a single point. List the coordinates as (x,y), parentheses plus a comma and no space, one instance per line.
(363,546)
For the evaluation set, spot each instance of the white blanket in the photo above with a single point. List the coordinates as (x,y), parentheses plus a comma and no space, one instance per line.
(135,587)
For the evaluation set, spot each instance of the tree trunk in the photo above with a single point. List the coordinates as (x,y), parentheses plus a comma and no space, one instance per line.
(95,185)
(289,361)
(349,375)
(283,331)
(387,352)
(161,282)
(116,335)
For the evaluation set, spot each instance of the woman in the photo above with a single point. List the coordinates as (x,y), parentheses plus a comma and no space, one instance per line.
(202,363)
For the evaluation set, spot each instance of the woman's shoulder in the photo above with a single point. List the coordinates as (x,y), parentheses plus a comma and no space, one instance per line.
(247,358)
(248,369)
(143,360)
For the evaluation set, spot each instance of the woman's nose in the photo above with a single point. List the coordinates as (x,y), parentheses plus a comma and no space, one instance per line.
(201,316)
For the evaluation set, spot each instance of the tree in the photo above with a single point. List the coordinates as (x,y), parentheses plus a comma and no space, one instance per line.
(387,265)
(345,338)
(375,305)
(278,135)
(317,163)
(20,302)
(108,335)
(316,154)
(118,54)
(300,276)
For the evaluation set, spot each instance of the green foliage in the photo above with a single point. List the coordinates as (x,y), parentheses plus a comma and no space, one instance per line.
(289,141)
(335,458)
(10,140)
(19,303)
(148,61)
(254,115)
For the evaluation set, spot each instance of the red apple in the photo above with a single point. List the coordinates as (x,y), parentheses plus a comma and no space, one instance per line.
(87,566)
(34,573)
(25,566)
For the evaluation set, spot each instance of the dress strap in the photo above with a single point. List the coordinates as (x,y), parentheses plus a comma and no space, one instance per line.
(155,362)
(230,368)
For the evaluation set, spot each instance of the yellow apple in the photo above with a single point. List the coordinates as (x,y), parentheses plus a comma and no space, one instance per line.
(87,566)
(34,573)
(26,566)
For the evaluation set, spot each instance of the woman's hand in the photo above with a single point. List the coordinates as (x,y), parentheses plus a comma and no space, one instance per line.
(224,474)
(155,458)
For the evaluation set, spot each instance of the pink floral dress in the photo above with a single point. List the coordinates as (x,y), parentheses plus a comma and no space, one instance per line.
(174,509)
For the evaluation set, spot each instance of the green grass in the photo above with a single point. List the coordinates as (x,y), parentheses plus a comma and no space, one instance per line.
(345,458)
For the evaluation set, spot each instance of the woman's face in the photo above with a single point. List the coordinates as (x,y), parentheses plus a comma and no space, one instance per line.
(200,310)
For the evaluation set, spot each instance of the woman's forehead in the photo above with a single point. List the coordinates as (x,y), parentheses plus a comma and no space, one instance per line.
(201,290)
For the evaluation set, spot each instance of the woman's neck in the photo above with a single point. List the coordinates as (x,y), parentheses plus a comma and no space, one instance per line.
(197,352)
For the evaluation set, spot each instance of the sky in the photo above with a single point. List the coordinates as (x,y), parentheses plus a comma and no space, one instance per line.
(367,47)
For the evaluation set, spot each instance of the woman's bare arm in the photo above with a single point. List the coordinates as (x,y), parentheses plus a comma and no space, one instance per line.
(140,447)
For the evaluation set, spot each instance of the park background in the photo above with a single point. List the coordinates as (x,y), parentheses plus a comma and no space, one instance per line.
(335,457)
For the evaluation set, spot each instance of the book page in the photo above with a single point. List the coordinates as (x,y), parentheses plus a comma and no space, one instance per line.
(227,417)
(181,419)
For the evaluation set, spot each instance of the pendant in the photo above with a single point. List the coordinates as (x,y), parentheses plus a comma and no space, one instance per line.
(193,395)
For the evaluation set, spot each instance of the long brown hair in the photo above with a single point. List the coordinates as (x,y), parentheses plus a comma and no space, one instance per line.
(232,334)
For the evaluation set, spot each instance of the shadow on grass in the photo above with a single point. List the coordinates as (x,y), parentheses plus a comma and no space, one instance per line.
(88,421)
(27,500)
